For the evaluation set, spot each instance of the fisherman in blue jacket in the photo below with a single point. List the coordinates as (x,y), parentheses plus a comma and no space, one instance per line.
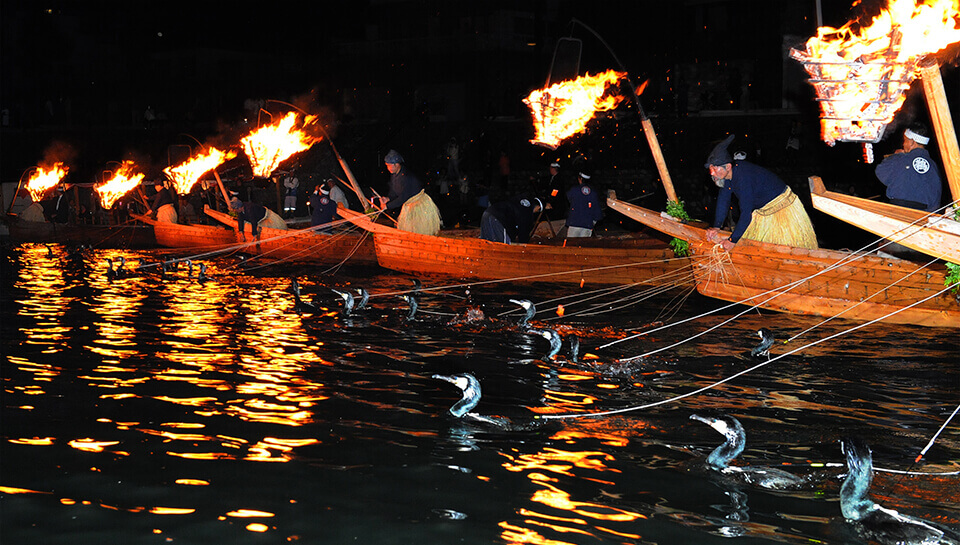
(585,209)
(403,184)
(911,176)
(323,208)
(769,210)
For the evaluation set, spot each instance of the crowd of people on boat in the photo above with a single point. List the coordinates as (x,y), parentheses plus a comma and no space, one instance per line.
(567,201)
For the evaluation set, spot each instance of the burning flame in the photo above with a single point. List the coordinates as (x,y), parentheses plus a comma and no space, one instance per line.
(122,182)
(271,144)
(860,75)
(186,174)
(565,108)
(43,179)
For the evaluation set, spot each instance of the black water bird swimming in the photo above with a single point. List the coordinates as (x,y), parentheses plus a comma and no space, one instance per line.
(530,309)
(119,272)
(470,387)
(877,523)
(299,305)
(556,342)
(49,250)
(766,341)
(348,302)
(412,302)
(736,440)
(364,297)
(202,275)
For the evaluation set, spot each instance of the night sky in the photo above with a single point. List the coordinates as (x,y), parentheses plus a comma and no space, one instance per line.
(83,72)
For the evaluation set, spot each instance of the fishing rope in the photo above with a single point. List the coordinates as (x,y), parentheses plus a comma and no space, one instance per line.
(863,301)
(534,276)
(745,371)
(858,254)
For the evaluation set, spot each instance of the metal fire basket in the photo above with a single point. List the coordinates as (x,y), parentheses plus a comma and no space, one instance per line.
(858,99)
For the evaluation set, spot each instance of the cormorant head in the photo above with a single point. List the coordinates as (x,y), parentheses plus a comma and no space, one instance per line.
(732,430)
(528,306)
(470,387)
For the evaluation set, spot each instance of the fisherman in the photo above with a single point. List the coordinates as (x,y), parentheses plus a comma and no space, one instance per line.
(911,176)
(256,215)
(585,209)
(403,184)
(337,195)
(769,210)
(323,208)
(292,183)
(162,204)
(510,220)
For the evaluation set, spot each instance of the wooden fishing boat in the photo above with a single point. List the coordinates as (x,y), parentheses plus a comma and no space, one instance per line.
(127,235)
(194,237)
(814,282)
(933,234)
(348,246)
(616,260)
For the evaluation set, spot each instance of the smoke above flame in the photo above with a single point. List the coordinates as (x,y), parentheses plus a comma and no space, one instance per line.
(564,109)
(861,72)
(185,175)
(272,144)
(123,180)
(45,178)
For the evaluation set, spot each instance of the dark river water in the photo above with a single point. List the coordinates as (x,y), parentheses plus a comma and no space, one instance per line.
(149,410)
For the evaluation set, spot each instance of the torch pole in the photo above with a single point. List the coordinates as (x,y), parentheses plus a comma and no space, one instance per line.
(645,121)
(942,125)
(226,196)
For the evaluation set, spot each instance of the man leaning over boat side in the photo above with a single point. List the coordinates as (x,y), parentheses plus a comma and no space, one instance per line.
(769,210)
(910,174)
(402,185)
(257,215)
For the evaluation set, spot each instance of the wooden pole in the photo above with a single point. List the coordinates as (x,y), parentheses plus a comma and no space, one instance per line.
(942,125)
(658,158)
(226,196)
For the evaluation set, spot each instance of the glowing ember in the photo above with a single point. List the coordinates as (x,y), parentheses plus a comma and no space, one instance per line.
(560,310)
(43,179)
(122,182)
(565,108)
(270,145)
(860,74)
(186,174)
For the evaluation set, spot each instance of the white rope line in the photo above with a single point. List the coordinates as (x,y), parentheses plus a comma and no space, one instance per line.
(934,438)
(536,276)
(745,371)
(778,291)
(865,300)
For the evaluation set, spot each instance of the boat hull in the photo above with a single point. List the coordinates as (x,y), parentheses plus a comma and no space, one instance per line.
(812,282)
(347,247)
(97,236)
(620,261)
(932,234)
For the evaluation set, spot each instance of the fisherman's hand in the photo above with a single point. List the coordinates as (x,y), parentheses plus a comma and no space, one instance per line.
(713,234)
(727,244)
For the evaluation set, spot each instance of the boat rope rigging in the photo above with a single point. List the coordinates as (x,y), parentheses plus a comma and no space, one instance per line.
(777,292)
(697,391)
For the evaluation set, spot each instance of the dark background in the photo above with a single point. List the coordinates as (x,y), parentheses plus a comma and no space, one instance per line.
(78,77)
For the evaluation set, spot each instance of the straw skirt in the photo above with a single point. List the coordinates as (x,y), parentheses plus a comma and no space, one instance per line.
(782,221)
(419,215)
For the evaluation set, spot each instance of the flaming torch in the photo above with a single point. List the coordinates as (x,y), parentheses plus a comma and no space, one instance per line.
(185,175)
(861,74)
(564,109)
(122,182)
(43,179)
(271,144)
